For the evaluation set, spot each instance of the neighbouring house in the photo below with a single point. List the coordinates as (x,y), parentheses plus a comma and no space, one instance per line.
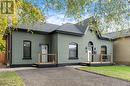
(66,44)
(121,46)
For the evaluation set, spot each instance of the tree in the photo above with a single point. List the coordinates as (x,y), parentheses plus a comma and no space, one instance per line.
(107,13)
(24,12)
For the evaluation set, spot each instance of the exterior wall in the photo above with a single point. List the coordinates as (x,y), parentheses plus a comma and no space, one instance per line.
(8,48)
(58,44)
(54,44)
(122,51)
(63,46)
(17,46)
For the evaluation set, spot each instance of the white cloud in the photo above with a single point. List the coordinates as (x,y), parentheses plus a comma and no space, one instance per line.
(60,19)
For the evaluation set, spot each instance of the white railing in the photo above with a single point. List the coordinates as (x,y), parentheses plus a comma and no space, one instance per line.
(101,58)
(51,58)
(106,58)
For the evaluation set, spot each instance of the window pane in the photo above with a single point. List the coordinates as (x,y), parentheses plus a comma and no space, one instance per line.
(26,44)
(27,49)
(73,50)
(104,52)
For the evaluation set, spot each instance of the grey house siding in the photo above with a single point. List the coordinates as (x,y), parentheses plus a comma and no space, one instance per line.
(63,46)
(58,44)
(54,44)
(17,46)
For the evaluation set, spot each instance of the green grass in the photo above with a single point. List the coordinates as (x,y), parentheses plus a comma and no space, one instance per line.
(122,72)
(10,79)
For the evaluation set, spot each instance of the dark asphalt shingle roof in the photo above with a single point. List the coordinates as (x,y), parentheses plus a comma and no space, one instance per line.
(47,27)
(78,28)
(83,25)
(118,34)
(69,28)
(43,27)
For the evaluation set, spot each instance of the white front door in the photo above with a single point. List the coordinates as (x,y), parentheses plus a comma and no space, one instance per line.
(44,50)
(89,54)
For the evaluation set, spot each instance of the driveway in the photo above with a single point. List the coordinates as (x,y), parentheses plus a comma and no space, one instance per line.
(66,76)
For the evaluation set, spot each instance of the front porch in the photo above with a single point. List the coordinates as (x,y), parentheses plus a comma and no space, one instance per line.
(104,60)
(51,60)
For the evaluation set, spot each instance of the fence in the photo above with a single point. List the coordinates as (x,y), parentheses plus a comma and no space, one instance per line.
(2,58)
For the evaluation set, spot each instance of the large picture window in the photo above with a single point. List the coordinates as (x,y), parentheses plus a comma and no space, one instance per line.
(27,49)
(73,51)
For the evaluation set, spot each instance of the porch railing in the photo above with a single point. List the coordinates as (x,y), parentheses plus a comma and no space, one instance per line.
(106,58)
(51,58)
(102,58)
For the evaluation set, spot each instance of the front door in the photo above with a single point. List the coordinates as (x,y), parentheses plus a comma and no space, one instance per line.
(44,50)
(90,51)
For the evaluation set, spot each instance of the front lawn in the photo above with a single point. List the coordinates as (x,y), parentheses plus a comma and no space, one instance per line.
(10,79)
(122,72)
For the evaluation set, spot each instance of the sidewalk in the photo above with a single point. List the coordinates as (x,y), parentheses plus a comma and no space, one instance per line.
(15,69)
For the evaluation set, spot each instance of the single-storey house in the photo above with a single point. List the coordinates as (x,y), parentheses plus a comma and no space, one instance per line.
(121,46)
(44,43)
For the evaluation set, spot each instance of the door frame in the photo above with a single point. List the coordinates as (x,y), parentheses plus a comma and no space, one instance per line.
(47,50)
(92,48)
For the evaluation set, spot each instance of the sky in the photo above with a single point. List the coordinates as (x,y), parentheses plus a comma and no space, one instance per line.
(59,18)
(55,17)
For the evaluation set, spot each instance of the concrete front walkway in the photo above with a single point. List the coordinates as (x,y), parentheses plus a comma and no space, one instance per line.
(66,76)
(16,69)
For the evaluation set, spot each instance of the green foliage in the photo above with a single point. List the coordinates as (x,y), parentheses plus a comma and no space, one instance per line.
(2,47)
(24,12)
(107,13)
(28,13)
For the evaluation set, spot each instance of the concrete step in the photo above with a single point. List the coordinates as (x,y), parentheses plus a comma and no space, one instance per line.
(95,64)
(46,65)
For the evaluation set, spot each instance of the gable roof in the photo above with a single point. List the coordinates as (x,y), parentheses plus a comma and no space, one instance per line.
(67,28)
(118,34)
(43,27)
(85,23)
(77,29)
(70,28)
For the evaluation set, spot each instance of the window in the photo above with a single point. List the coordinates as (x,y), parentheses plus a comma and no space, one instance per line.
(73,51)
(27,49)
(104,51)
